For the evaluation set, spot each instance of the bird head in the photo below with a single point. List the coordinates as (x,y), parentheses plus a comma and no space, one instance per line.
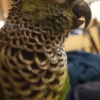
(41,10)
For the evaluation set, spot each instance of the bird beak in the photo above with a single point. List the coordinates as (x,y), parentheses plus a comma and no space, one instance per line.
(81,9)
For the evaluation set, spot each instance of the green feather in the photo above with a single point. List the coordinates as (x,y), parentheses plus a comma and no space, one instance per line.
(66,88)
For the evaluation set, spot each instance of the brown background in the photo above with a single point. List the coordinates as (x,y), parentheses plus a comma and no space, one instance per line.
(4,7)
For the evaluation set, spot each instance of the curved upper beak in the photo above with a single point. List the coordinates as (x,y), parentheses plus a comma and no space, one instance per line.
(81,9)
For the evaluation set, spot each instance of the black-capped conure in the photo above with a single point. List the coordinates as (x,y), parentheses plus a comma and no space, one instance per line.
(33,63)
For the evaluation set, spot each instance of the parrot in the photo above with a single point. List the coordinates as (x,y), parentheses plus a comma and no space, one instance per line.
(33,63)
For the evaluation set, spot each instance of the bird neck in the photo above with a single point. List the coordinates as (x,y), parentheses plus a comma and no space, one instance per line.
(52,18)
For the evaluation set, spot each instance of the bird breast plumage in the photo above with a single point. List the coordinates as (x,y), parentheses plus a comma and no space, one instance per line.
(32,65)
